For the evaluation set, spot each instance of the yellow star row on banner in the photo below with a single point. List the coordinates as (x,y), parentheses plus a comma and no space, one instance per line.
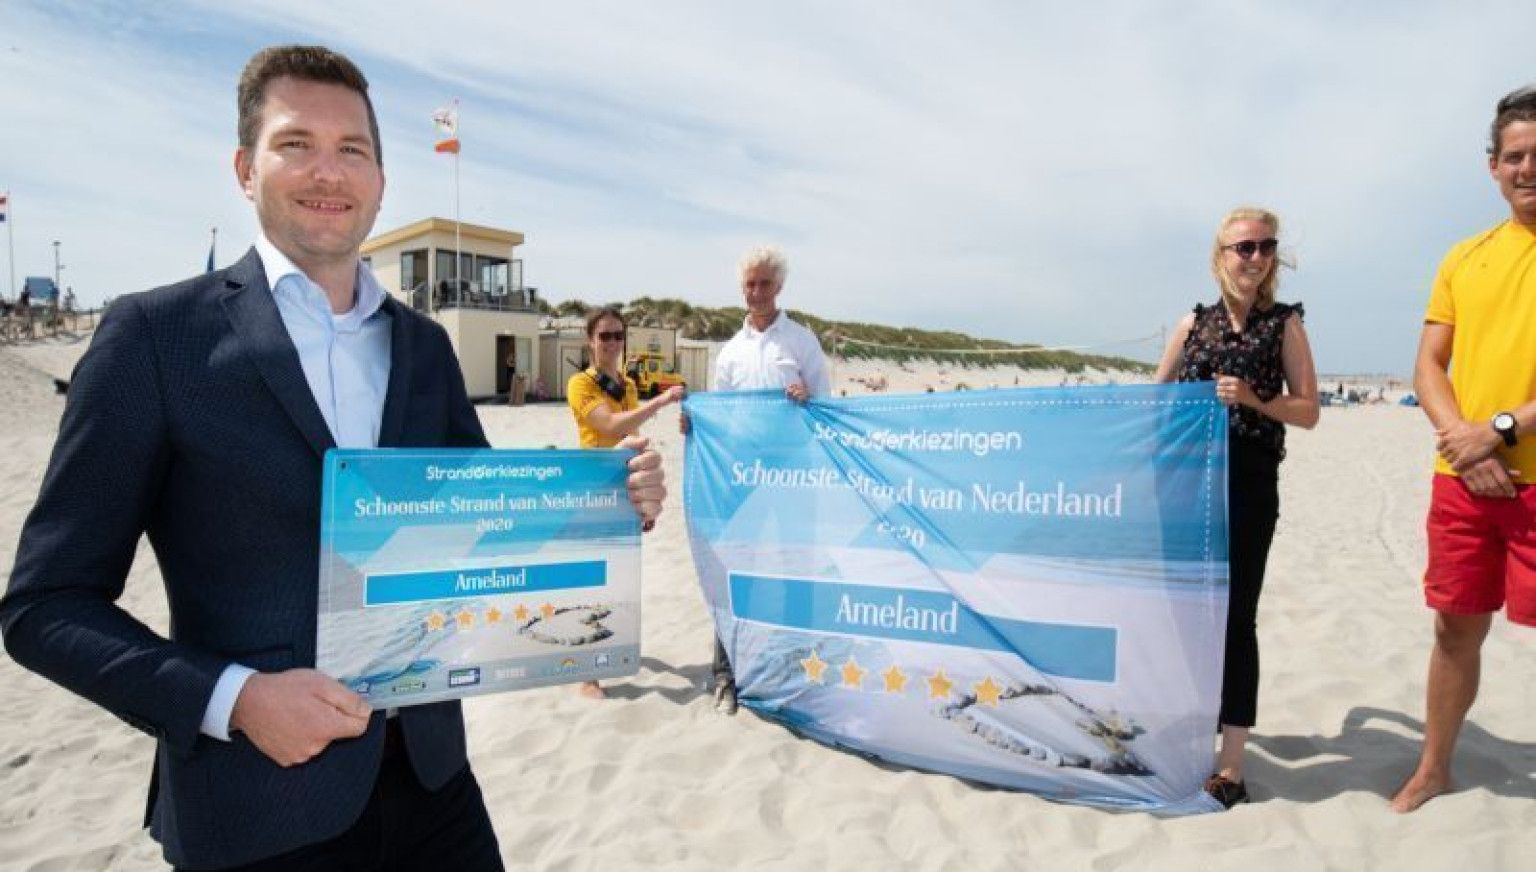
(466,618)
(940,686)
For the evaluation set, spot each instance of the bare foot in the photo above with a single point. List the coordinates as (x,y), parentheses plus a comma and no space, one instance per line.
(591,690)
(1419,789)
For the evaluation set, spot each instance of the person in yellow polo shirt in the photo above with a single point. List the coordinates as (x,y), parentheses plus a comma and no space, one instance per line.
(1476,379)
(605,401)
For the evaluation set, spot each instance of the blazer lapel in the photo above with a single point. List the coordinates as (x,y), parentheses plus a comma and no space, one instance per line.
(401,353)
(253,314)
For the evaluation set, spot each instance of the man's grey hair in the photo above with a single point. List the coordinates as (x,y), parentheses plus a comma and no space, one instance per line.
(770,256)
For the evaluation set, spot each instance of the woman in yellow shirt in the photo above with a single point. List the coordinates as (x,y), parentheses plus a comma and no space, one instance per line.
(605,401)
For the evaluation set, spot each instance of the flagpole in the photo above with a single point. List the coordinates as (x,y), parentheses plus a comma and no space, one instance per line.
(212,244)
(458,254)
(446,120)
(458,245)
(10,233)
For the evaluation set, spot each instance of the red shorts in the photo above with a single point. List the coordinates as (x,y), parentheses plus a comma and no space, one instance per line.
(1482,552)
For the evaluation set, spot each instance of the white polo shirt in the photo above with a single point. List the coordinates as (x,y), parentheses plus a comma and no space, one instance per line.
(775,358)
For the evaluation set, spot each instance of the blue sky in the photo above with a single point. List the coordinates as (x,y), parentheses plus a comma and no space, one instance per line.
(1018,171)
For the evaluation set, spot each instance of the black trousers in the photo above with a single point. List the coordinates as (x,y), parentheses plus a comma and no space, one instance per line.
(722,663)
(1253,506)
(405,827)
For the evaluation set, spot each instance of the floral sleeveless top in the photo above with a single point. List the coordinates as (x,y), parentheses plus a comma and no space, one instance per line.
(1253,355)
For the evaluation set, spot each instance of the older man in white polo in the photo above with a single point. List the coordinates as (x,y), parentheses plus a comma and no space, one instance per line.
(769,352)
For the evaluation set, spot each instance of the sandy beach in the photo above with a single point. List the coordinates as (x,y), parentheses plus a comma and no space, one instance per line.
(654,778)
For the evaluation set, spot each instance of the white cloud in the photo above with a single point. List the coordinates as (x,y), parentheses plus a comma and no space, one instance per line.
(1014,172)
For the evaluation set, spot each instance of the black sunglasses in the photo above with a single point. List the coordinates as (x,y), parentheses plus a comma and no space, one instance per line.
(610,335)
(1249,247)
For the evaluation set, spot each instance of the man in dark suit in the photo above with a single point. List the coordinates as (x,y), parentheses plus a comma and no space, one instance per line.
(199,416)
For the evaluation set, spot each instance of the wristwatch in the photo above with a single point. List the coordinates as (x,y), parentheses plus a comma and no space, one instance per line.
(1504,424)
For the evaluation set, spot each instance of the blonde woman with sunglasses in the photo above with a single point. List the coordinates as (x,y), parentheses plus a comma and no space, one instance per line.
(1255,350)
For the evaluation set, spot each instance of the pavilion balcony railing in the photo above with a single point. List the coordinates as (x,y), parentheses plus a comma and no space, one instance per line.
(464,294)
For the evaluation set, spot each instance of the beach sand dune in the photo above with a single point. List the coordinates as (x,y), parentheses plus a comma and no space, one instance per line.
(653,778)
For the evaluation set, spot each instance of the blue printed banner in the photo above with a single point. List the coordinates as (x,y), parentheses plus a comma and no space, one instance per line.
(1022,587)
(414,587)
(830,606)
(450,573)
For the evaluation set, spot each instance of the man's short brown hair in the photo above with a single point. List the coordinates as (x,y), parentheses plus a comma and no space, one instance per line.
(1517,105)
(310,63)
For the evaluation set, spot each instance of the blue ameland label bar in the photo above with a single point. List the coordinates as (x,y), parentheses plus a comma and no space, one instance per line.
(411,587)
(1066,650)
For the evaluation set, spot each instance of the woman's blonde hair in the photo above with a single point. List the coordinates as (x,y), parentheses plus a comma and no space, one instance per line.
(1271,281)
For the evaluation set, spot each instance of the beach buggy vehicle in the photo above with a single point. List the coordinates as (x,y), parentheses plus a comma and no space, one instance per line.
(652,374)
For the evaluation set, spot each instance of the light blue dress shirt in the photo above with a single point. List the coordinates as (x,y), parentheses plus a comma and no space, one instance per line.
(345,357)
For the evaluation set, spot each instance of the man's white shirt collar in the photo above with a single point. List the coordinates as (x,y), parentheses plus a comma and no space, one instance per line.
(753,331)
(277,266)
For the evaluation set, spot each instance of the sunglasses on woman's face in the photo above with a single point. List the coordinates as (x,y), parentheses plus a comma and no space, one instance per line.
(1249,247)
(610,335)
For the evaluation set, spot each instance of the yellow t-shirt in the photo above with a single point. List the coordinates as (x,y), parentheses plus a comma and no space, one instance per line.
(584,395)
(1486,289)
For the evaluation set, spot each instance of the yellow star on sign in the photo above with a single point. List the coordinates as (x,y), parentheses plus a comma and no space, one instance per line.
(547,610)
(853,676)
(814,666)
(939,685)
(435,621)
(520,613)
(466,619)
(987,692)
(493,615)
(895,679)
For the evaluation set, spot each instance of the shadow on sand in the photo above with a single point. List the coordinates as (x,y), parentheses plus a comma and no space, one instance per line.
(1375,750)
(696,677)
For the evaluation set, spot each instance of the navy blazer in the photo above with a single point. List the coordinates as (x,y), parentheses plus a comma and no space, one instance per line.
(189,420)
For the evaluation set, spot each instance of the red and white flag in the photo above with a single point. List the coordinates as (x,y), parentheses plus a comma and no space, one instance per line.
(446,120)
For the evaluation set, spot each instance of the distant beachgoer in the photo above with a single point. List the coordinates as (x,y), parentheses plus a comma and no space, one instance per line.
(1475,376)
(1256,351)
(511,365)
(606,403)
(769,352)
